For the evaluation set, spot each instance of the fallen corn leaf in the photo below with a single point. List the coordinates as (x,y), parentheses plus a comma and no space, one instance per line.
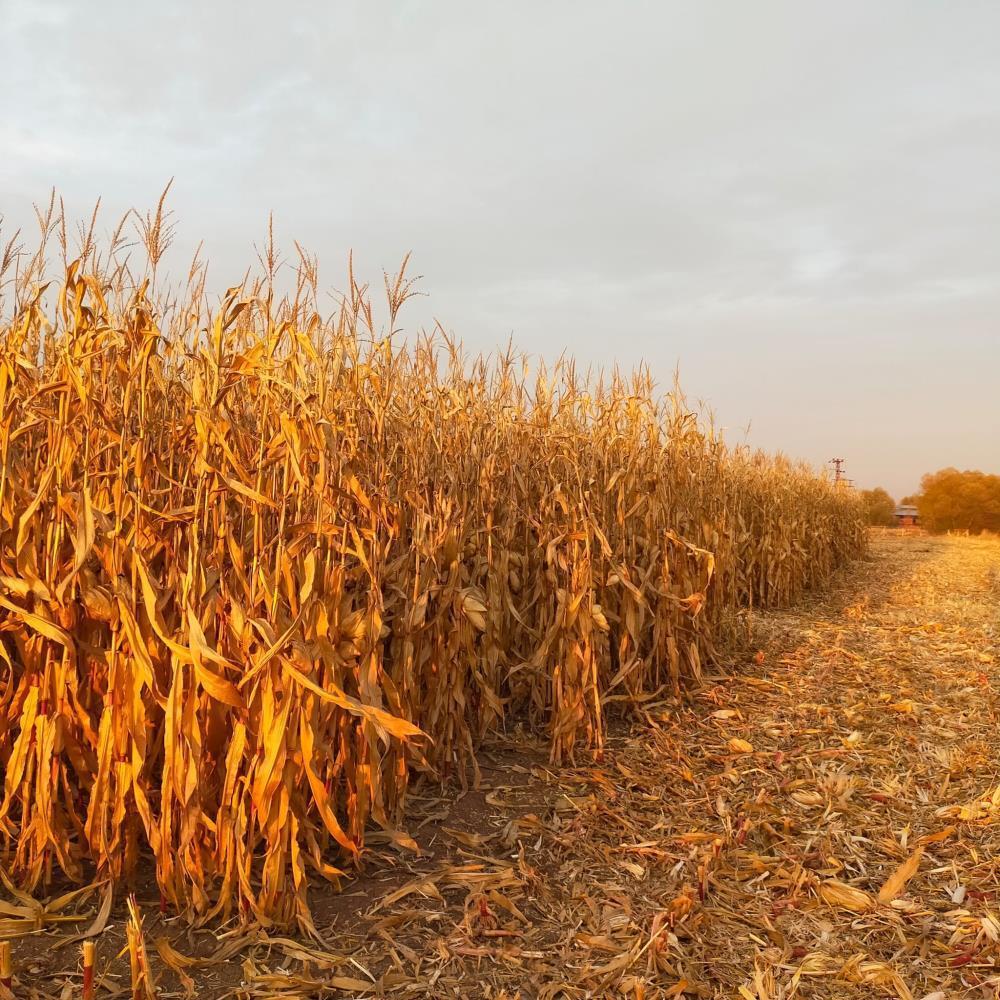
(845,896)
(939,837)
(896,882)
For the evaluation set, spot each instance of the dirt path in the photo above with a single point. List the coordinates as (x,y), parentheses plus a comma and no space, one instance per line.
(735,846)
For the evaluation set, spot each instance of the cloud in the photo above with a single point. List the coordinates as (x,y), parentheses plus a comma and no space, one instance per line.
(794,202)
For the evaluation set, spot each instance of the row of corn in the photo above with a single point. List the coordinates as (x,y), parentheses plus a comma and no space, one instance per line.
(259,568)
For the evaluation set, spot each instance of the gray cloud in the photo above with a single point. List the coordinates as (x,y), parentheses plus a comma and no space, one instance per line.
(795,201)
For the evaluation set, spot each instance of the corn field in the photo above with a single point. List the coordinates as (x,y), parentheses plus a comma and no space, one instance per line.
(260,568)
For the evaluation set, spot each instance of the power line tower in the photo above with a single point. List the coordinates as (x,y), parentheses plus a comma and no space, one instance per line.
(838,470)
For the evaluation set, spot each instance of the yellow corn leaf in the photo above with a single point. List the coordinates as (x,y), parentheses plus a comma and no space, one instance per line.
(83,541)
(896,882)
(41,625)
(392,724)
(845,896)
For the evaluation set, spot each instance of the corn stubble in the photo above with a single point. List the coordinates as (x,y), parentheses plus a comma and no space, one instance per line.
(259,568)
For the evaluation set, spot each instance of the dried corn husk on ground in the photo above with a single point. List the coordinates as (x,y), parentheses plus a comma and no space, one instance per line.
(259,567)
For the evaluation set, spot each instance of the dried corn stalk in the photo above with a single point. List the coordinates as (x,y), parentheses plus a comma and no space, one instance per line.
(249,557)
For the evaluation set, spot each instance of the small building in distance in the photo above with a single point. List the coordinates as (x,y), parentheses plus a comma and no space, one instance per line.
(906,516)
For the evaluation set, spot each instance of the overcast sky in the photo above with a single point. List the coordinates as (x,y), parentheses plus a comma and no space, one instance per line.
(797,202)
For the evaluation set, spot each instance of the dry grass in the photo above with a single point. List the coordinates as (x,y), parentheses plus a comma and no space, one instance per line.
(260,567)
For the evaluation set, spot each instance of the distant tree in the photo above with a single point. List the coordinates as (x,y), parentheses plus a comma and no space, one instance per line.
(966,501)
(879,506)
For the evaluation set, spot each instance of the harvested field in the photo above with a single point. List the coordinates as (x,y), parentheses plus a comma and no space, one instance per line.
(819,819)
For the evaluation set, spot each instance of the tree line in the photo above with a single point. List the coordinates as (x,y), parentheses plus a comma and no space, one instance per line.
(949,500)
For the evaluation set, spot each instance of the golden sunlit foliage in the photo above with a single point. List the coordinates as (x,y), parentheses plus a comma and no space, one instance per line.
(259,567)
(950,500)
